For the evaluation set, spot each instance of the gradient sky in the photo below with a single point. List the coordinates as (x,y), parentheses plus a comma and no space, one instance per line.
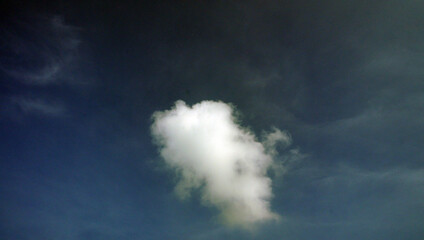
(80,81)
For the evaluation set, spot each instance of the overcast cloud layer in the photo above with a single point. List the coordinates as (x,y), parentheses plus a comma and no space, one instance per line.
(209,150)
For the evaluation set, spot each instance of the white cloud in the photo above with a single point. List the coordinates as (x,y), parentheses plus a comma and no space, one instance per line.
(272,139)
(211,152)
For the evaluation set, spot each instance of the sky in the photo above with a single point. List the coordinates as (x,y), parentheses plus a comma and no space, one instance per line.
(198,119)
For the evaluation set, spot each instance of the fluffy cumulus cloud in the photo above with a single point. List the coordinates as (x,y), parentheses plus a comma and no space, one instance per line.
(210,151)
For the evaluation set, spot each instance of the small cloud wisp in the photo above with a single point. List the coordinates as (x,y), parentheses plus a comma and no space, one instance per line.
(210,151)
(37,106)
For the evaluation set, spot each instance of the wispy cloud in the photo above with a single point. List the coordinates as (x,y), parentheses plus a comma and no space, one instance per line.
(209,150)
(36,106)
(41,52)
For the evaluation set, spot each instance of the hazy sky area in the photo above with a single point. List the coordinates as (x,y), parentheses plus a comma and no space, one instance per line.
(206,120)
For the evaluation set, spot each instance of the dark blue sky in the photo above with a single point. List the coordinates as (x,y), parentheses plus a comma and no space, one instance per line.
(80,81)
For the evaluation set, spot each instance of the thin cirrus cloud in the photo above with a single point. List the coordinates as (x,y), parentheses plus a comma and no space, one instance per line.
(41,52)
(36,107)
(210,151)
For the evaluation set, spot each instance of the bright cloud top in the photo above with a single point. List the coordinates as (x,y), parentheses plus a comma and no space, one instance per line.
(211,152)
